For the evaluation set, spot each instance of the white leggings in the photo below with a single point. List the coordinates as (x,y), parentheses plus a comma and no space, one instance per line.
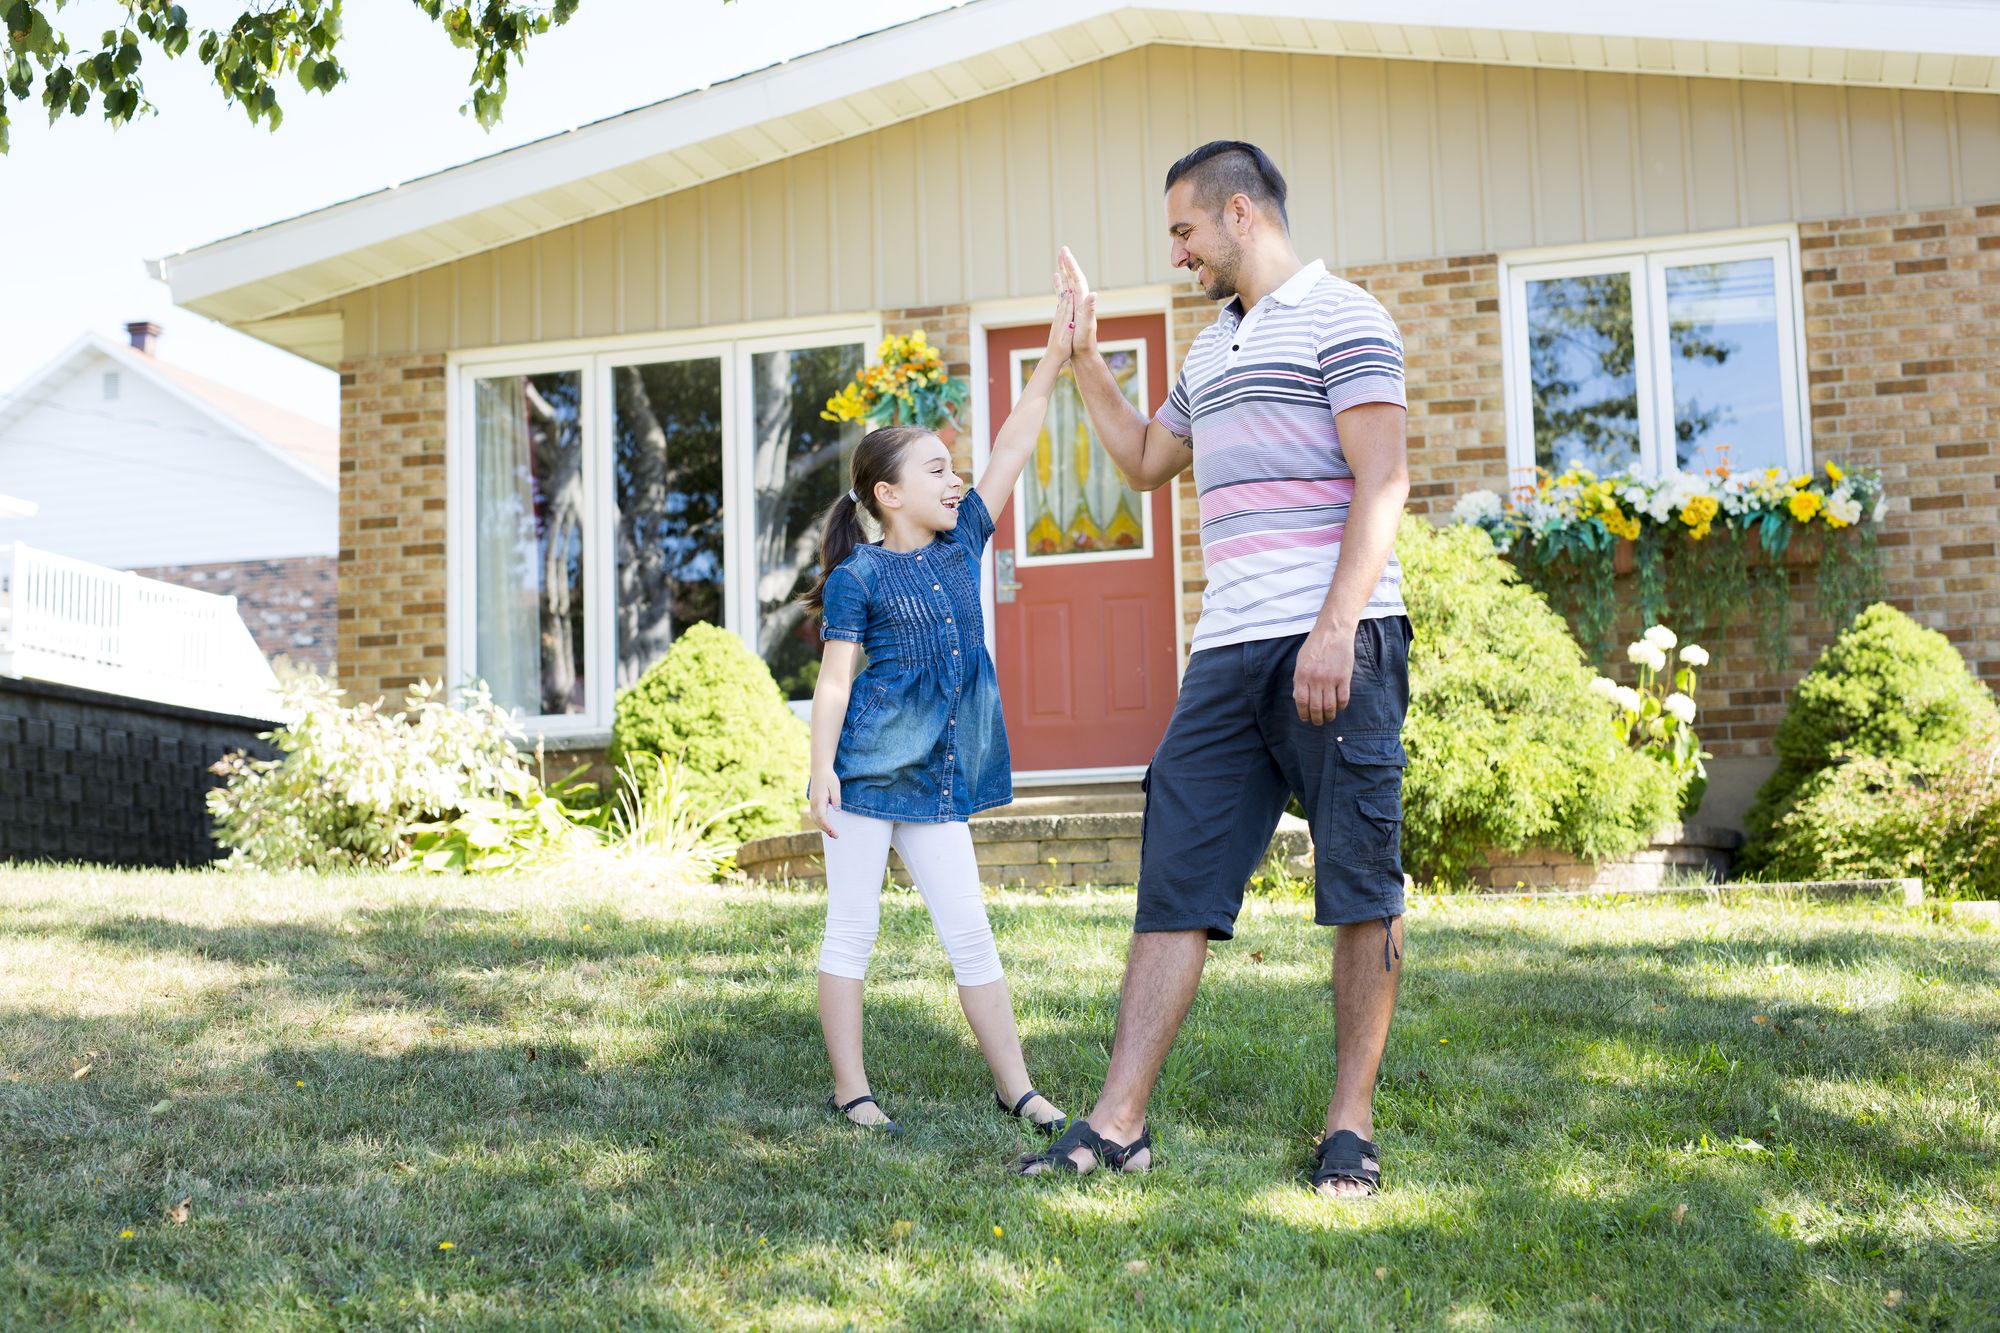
(940,860)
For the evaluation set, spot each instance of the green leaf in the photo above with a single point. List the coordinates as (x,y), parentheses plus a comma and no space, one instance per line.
(308,73)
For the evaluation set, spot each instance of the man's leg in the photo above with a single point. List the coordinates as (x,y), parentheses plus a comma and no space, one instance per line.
(1213,797)
(1349,775)
(1162,972)
(1364,1000)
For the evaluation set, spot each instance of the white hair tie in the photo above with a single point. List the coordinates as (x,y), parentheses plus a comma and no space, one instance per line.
(852,496)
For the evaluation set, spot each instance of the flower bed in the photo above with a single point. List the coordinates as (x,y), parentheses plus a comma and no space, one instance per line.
(1703,545)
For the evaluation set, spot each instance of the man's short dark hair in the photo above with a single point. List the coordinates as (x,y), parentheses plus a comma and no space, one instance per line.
(1228,167)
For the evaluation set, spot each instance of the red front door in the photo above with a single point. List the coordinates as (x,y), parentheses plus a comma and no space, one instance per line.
(1084,594)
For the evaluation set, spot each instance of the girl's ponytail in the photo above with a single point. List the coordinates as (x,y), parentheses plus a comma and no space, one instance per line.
(878,458)
(837,540)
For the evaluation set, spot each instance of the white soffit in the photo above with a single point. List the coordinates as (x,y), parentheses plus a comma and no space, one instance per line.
(986,46)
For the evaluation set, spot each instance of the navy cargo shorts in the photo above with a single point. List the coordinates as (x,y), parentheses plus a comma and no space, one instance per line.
(1236,751)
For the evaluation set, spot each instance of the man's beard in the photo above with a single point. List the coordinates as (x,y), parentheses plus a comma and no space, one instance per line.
(1221,275)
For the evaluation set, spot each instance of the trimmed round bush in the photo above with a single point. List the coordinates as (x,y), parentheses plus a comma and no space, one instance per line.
(711,703)
(1887,688)
(1507,744)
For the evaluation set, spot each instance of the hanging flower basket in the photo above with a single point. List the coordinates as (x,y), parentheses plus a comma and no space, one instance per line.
(909,385)
(1702,547)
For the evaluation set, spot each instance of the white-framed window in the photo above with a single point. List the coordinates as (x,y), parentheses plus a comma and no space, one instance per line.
(1686,354)
(604,497)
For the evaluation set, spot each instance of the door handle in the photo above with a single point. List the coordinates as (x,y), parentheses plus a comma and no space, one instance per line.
(1004,586)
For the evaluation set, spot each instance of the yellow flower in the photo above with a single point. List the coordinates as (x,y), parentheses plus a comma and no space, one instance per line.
(1833,471)
(996,1229)
(125,1235)
(1803,504)
(1801,481)
(1698,512)
(446,1245)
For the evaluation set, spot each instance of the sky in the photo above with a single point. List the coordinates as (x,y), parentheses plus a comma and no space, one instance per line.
(83,206)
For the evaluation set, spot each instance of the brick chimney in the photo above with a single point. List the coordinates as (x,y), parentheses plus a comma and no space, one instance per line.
(144,335)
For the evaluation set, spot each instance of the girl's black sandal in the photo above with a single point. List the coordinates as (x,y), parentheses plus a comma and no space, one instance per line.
(1055,1126)
(886,1127)
(1345,1155)
(1080,1135)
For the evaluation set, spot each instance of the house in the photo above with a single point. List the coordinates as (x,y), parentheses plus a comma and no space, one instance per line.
(131,462)
(581,379)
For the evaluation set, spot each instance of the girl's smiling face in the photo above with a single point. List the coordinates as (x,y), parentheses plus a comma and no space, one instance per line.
(927,493)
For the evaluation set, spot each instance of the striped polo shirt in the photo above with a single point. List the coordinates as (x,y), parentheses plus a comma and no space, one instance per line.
(1257,397)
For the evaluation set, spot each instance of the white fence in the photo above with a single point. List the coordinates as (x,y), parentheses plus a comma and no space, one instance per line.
(75,623)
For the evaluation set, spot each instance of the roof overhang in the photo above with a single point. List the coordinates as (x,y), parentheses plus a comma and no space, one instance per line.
(255,280)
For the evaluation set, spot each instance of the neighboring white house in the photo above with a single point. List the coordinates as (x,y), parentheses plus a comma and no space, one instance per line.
(133,463)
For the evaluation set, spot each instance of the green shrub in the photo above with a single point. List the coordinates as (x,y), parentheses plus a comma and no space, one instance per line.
(1854,820)
(1508,745)
(710,704)
(1869,818)
(1960,825)
(353,785)
(1887,688)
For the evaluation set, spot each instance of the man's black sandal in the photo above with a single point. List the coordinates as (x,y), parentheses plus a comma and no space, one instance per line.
(1345,1155)
(1055,1126)
(886,1127)
(1081,1135)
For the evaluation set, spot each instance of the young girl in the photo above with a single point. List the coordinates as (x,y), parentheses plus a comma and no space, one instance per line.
(905,753)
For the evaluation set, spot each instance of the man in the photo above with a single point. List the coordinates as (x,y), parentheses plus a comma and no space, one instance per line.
(1290,409)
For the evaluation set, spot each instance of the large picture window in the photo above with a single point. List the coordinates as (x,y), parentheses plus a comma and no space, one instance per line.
(1683,357)
(604,502)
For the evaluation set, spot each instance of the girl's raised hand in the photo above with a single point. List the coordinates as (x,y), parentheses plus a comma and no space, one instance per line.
(1062,329)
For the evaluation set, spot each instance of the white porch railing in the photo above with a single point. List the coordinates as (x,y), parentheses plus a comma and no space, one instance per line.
(75,623)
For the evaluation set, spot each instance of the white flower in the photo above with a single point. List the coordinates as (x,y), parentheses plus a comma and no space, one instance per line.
(1678,705)
(1647,655)
(1661,637)
(1628,699)
(1845,508)
(1881,507)
(1476,507)
(1604,687)
(1695,655)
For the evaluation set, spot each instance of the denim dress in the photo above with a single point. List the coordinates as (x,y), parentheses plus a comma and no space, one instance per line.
(923,741)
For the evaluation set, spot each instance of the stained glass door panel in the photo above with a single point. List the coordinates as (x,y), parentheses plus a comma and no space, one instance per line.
(1073,502)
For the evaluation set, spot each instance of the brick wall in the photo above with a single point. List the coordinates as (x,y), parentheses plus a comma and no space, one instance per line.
(288,604)
(391,614)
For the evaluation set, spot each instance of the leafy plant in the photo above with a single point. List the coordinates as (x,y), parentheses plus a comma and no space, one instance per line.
(1657,717)
(250,58)
(526,825)
(1887,688)
(1507,744)
(909,385)
(353,783)
(659,817)
(1706,545)
(712,703)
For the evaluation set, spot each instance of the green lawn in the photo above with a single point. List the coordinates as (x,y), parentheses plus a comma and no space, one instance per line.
(603,1098)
